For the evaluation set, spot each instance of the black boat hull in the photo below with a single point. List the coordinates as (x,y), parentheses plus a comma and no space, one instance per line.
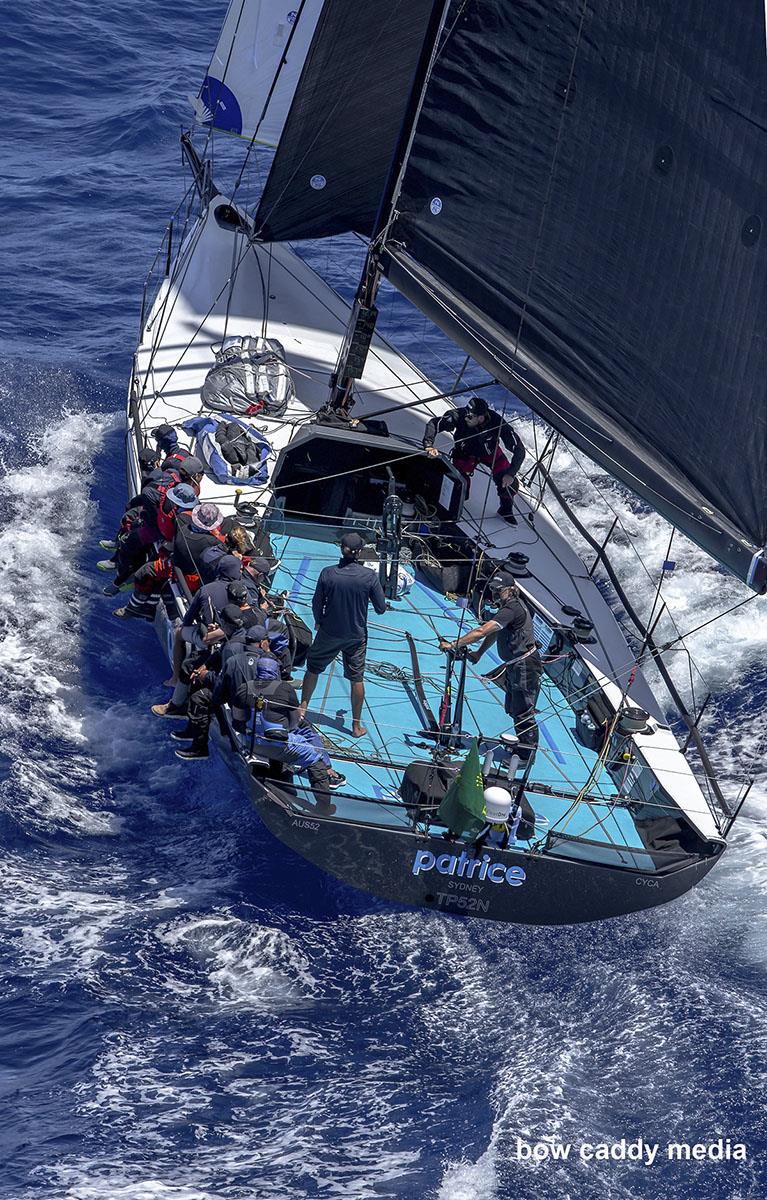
(411,868)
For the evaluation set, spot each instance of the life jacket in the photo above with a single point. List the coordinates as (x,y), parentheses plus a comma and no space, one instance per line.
(130,519)
(153,492)
(270,724)
(173,458)
(153,576)
(166,509)
(166,513)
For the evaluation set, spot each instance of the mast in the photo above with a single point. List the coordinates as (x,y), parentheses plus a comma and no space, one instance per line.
(359,332)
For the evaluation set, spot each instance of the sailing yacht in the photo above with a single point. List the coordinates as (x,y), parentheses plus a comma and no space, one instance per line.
(572,195)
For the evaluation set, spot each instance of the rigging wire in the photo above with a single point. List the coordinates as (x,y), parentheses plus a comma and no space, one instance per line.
(270,93)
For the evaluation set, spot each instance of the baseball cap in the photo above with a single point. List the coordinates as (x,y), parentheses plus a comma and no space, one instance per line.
(478,406)
(502,580)
(352,542)
(228,566)
(231,617)
(261,566)
(237,593)
(191,466)
(164,433)
(256,633)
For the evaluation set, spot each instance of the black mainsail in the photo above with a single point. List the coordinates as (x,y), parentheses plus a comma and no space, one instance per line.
(581,210)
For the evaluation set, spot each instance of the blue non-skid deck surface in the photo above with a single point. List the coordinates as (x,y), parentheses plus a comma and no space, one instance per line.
(393,721)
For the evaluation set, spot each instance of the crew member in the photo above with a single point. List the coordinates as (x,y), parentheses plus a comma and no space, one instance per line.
(168,447)
(139,526)
(149,466)
(201,628)
(198,544)
(208,602)
(479,433)
(340,607)
(252,678)
(151,577)
(189,472)
(512,630)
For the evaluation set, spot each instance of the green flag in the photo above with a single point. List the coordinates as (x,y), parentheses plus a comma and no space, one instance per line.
(463,808)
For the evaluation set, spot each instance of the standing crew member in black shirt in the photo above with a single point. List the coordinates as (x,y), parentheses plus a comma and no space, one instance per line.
(512,630)
(340,607)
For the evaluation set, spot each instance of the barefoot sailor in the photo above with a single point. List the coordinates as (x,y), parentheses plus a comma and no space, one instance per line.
(340,607)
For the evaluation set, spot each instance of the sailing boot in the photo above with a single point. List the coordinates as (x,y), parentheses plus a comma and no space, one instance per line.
(176,712)
(197,751)
(187,734)
(506,507)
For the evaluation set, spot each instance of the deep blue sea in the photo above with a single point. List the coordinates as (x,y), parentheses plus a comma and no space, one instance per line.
(188,1011)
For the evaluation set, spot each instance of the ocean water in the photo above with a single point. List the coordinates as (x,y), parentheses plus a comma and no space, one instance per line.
(188,1012)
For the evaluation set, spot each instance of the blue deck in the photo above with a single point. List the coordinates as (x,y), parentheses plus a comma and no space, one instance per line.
(393,722)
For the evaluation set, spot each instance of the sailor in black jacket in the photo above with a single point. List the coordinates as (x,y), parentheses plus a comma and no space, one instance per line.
(212,688)
(479,434)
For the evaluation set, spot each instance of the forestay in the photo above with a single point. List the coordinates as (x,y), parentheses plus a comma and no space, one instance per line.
(248,88)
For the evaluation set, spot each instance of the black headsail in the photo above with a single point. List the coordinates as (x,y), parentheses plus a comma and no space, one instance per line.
(583,212)
(348,117)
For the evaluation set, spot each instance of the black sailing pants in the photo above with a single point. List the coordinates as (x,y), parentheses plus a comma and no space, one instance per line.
(523,683)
